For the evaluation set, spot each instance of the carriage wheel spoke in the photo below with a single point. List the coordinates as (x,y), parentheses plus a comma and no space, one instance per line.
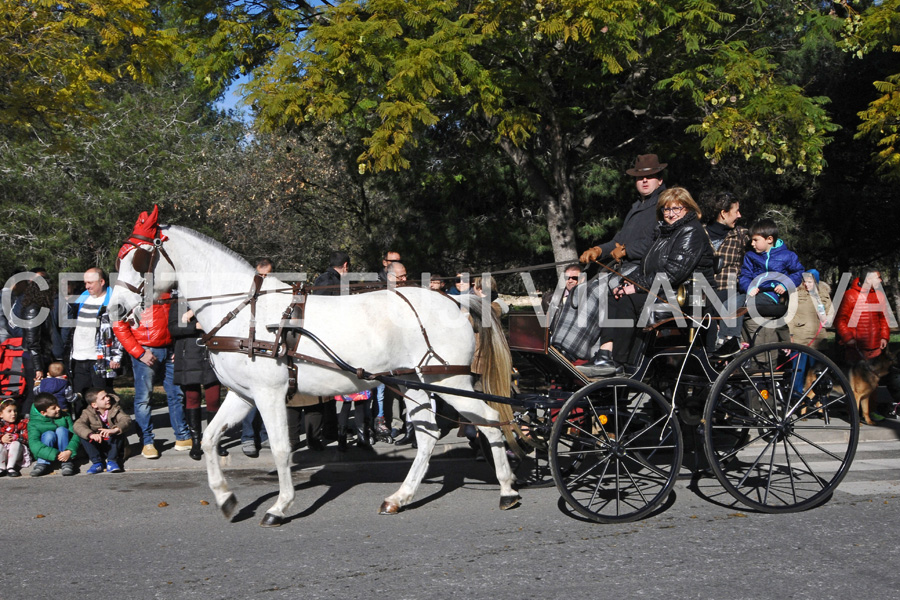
(747,408)
(647,466)
(755,463)
(817,447)
(729,455)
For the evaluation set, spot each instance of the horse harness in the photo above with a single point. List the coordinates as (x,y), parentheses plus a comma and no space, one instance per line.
(288,335)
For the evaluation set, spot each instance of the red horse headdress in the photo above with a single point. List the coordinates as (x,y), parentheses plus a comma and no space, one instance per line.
(146,229)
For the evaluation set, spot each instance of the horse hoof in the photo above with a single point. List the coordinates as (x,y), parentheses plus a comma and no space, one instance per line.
(508,502)
(271,520)
(388,508)
(228,506)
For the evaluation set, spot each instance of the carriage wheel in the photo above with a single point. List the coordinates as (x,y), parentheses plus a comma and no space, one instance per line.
(615,450)
(781,427)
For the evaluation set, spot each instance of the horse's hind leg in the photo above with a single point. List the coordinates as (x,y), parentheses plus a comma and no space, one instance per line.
(418,410)
(232,411)
(480,413)
(272,409)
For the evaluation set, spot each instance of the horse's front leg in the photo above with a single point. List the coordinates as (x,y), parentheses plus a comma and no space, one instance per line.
(418,410)
(232,412)
(272,409)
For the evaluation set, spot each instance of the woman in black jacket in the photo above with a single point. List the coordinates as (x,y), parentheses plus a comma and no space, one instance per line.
(37,338)
(193,370)
(680,248)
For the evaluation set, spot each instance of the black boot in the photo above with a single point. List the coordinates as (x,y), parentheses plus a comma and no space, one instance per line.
(293,420)
(363,424)
(194,419)
(603,365)
(219,449)
(409,438)
(342,439)
(362,435)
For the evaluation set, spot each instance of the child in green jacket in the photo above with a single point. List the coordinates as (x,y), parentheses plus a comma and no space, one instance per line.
(51,436)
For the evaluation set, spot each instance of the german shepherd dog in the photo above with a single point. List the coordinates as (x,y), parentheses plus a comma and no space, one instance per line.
(864,377)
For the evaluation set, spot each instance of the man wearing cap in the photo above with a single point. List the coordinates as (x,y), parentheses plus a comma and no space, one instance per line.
(631,242)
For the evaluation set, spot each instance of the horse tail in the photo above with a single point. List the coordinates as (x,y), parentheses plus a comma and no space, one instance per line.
(492,354)
(494,362)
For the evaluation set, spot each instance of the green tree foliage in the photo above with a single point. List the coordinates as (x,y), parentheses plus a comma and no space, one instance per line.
(554,85)
(877,30)
(71,210)
(58,57)
(224,39)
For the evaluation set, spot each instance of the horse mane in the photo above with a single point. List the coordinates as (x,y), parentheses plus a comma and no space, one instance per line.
(228,252)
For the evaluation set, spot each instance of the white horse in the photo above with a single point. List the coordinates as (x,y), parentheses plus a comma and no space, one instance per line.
(377,331)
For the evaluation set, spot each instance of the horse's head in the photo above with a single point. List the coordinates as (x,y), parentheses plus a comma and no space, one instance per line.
(140,270)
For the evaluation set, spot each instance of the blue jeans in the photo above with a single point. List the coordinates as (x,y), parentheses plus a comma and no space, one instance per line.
(379,399)
(110,448)
(143,385)
(249,424)
(58,439)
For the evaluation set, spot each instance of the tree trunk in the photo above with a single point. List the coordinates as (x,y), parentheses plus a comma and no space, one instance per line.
(556,200)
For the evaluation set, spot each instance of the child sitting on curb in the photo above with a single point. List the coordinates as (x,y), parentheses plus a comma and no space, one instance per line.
(102,428)
(51,437)
(13,440)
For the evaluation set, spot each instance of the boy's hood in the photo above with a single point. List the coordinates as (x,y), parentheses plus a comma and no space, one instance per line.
(36,414)
(778,247)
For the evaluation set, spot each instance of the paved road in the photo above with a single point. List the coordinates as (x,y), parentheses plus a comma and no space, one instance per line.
(154,533)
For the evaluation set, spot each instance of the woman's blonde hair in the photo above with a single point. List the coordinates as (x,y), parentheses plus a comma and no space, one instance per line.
(676,195)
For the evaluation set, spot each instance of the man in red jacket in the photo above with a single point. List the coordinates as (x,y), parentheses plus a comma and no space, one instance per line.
(146,338)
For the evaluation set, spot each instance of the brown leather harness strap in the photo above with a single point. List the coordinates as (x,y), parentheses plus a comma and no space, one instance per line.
(251,346)
(251,297)
(430,351)
(247,346)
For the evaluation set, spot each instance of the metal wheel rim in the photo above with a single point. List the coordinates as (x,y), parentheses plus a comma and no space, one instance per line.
(623,469)
(783,463)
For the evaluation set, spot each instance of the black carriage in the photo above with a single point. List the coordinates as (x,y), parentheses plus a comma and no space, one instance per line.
(776,424)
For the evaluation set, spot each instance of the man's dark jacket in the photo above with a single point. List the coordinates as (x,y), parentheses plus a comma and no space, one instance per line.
(637,230)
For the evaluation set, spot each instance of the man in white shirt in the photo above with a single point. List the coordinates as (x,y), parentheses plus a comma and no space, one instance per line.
(96,353)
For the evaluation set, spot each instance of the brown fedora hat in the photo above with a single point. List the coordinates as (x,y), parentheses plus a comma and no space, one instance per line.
(645,165)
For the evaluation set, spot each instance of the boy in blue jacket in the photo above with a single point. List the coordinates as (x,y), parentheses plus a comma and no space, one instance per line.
(758,278)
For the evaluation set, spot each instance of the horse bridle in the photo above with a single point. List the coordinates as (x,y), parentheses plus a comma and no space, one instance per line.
(144,260)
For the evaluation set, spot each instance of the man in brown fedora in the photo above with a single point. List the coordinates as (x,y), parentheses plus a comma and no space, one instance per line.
(627,246)
(636,234)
